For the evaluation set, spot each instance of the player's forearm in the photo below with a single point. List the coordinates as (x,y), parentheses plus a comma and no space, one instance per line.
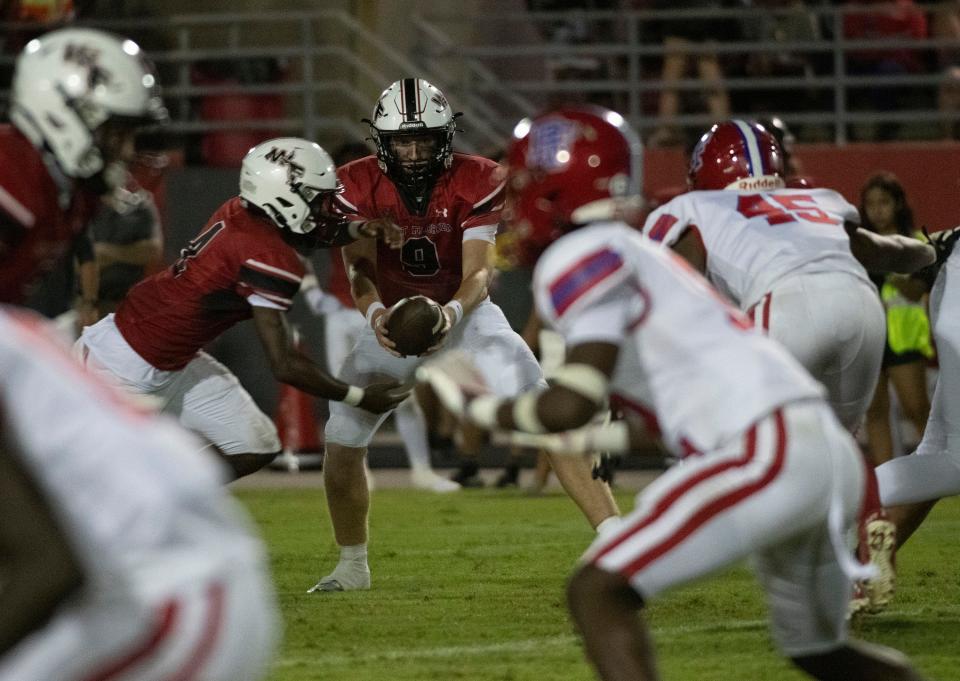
(33,587)
(38,569)
(894,253)
(473,289)
(304,374)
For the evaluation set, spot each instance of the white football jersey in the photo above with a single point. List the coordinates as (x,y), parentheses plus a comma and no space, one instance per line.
(687,358)
(755,239)
(127,486)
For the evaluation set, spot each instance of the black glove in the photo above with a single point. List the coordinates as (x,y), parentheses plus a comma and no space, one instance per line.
(943,243)
(606,467)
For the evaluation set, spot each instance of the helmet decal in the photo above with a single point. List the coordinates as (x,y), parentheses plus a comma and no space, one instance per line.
(567,168)
(550,143)
(284,157)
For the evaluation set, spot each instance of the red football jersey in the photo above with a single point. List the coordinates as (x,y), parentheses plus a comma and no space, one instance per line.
(39,217)
(237,261)
(430,263)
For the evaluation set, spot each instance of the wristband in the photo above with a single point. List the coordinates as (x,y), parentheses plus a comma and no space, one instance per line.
(525,413)
(353,397)
(457,307)
(483,411)
(372,309)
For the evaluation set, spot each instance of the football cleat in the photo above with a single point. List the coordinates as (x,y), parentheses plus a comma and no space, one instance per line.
(877,546)
(432,482)
(347,576)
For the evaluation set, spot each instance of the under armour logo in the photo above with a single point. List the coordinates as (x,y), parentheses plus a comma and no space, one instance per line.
(441,212)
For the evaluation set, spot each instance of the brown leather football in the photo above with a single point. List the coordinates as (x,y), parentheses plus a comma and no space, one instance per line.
(415,325)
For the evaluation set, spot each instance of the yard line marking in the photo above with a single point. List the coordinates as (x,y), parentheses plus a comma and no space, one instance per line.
(537,644)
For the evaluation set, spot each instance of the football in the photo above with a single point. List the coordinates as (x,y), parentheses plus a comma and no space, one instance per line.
(414,325)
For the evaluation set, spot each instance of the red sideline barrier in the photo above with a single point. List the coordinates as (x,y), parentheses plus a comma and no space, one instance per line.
(930,172)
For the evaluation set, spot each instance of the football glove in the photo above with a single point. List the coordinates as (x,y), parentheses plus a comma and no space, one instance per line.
(943,243)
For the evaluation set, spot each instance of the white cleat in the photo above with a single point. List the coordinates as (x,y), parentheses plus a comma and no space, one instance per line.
(432,482)
(878,541)
(345,577)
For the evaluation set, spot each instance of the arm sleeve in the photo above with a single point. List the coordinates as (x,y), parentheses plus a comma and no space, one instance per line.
(667,224)
(588,297)
(268,281)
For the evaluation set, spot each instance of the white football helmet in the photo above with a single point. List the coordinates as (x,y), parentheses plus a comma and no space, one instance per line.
(413,106)
(292,180)
(68,83)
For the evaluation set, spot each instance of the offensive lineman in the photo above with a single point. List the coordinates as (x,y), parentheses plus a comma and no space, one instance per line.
(243,264)
(448,205)
(794,260)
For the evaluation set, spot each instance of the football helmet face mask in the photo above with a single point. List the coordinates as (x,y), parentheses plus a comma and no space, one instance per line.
(293,181)
(80,93)
(412,127)
(566,168)
(737,155)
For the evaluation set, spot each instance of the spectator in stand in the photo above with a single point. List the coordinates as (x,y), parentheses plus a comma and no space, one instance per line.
(678,35)
(882,20)
(945,23)
(775,22)
(884,209)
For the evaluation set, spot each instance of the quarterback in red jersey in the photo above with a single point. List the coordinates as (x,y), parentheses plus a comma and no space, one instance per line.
(78,96)
(243,264)
(448,206)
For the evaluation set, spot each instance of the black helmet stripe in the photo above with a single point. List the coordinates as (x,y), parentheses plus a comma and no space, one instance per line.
(411,93)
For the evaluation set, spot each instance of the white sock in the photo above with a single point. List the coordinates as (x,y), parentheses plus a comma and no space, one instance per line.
(412,427)
(608,524)
(356,553)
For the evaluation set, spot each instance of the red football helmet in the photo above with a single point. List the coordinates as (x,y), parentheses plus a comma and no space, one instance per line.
(566,168)
(736,154)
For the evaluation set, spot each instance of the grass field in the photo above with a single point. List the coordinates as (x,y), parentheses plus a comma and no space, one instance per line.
(470,586)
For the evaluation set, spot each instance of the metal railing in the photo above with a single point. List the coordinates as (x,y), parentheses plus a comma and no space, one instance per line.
(332,67)
(829,98)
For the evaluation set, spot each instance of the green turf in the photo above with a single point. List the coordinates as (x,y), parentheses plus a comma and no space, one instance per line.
(470,586)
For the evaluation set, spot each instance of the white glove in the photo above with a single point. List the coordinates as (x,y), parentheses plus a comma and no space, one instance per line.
(321,303)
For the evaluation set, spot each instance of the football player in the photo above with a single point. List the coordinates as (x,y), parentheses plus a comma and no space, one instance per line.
(78,97)
(914,483)
(767,469)
(121,555)
(794,260)
(448,206)
(243,264)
